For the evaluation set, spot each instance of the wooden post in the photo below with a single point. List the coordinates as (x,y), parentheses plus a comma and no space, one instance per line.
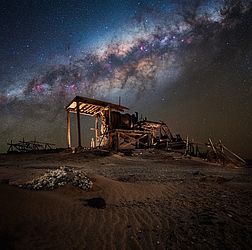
(68,130)
(78,124)
(103,129)
(221,146)
(109,143)
(149,140)
(117,141)
(153,137)
(212,146)
(187,146)
(109,125)
(96,131)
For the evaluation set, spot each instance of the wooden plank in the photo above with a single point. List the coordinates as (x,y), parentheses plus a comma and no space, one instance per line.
(98,111)
(78,125)
(232,153)
(85,107)
(88,108)
(212,146)
(68,130)
(109,125)
(92,109)
(81,105)
(99,103)
(96,130)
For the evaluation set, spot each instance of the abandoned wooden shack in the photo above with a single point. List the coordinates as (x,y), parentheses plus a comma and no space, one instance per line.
(115,129)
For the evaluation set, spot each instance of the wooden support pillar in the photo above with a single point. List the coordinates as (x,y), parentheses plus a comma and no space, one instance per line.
(109,125)
(103,129)
(109,142)
(78,125)
(68,130)
(96,131)
(187,149)
(149,140)
(117,141)
(154,136)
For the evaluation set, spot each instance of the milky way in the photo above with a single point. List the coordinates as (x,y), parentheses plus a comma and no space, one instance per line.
(188,63)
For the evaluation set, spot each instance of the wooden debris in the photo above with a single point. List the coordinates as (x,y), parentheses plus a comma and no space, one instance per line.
(214,152)
(30,146)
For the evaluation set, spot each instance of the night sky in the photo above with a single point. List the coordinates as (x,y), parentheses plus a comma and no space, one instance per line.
(187,63)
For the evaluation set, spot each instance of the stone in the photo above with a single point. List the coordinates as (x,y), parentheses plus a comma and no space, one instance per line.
(98,202)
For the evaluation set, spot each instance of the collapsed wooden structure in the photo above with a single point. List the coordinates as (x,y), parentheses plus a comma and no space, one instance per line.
(116,130)
(30,146)
(214,152)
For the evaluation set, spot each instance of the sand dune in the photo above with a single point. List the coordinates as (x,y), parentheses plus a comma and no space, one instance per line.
(183,209)
(59,218)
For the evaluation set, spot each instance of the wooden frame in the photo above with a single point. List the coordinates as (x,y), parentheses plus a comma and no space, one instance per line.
(128,139)
(91,107)
(144,134)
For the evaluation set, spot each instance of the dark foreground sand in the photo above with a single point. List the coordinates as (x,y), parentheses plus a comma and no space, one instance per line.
(153,201)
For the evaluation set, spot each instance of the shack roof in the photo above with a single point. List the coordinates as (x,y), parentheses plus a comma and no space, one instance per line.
(92,107)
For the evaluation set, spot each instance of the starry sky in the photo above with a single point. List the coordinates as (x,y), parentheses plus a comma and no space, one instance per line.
(187,63)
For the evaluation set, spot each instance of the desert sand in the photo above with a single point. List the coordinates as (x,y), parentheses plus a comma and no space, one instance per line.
(154,200)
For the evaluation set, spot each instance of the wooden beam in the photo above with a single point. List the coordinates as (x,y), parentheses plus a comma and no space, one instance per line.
(212,146)
(85,100)
(98,111)
(109,125)
(96,130)
(232,153)
(92,110)
(81,105)
(86,108)
(78,125)
(68,130)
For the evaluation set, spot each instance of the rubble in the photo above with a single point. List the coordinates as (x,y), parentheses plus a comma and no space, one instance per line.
(56,178)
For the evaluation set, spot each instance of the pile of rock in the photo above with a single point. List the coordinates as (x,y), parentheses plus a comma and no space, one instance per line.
(59,177)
